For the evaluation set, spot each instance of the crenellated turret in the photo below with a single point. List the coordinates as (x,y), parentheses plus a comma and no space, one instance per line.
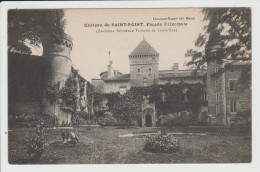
(59,61)
(58,68)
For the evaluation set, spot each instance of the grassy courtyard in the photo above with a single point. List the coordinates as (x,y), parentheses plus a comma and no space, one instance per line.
(103,145)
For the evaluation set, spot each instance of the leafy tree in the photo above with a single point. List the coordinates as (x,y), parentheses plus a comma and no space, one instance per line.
(68,94)
(34,27)
(229,28)
(126,108)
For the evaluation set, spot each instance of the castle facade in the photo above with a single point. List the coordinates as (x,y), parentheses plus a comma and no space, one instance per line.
(225,102)
(144,71)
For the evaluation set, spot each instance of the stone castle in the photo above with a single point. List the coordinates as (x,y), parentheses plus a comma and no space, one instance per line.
(144,71)
(29,76)
(224,101)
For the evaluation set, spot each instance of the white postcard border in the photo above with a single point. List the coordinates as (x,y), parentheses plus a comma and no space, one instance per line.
(5,167)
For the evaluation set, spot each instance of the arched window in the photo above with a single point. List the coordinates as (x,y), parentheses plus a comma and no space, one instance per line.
(163,95)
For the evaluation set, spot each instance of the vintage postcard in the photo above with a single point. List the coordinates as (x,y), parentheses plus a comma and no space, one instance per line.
(129,85)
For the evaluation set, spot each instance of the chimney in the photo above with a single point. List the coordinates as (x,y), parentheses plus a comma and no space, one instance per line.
(110,69)
(175,67)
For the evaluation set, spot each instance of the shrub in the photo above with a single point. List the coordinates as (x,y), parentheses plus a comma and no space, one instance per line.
(30,120)
(23,120)
(174,120)
(161,144)
(108,120)
(37,145)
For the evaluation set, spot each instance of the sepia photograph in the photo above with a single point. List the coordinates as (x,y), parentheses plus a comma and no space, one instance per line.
(129,85)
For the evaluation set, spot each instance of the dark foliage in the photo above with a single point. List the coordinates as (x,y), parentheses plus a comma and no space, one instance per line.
(179,97)
(25,77)
(228,27)
(34,27)
(30,120)
(175,120)
(126,108)
(68,94)
(37,145)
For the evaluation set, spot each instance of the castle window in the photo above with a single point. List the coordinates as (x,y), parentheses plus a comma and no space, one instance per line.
(204,96)
(217,110)
(138,71)
(233,106)
(150,71)
(216,84)
(216,69)
(145,82)
(232,85)
(122,90)
(217,97)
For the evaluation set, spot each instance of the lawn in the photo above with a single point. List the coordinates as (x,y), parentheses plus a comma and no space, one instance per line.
(103,145)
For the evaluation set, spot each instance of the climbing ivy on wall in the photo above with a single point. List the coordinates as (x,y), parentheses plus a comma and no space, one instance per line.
(179,97)
(68,95)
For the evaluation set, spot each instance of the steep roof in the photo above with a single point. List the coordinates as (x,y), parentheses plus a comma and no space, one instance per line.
(144,48)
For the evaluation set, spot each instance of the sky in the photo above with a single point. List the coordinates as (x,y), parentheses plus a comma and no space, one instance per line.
(90,49)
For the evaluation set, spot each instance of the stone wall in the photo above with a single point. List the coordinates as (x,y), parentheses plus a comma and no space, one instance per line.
(215,85)
(144,64)
(242,98)
(114,86)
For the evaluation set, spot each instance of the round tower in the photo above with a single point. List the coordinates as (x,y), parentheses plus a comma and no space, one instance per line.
(59,61)
(58,68)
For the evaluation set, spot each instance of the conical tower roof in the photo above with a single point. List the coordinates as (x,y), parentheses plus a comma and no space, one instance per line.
(144,48)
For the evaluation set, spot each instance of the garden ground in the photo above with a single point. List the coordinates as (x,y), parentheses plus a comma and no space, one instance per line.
(103,145)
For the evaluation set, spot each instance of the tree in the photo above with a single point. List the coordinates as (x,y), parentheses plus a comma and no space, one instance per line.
(229,28)
(34,27)
(126,108)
